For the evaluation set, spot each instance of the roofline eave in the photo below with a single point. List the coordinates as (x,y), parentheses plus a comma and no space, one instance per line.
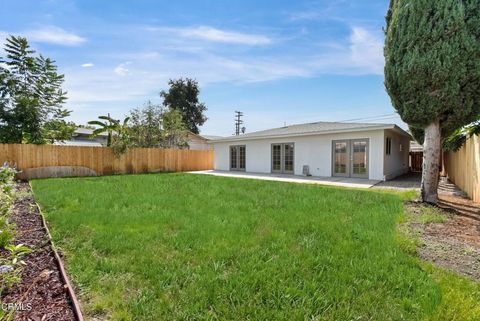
(326,132)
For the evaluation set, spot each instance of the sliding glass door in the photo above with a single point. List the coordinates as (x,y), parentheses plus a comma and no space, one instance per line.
(283,157)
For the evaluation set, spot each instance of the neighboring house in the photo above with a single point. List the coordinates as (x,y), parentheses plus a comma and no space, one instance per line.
(415,147)
(83,137)
(199,142)
(374,151)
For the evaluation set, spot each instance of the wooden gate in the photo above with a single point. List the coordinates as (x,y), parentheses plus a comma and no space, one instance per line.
(416,161)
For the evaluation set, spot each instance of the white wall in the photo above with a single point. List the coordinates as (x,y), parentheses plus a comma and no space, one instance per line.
(397,162)
(315,151)
(197,143)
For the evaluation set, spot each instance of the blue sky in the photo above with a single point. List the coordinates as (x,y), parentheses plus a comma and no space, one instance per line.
(277,61)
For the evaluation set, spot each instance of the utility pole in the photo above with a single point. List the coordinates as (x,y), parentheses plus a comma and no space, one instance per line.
(238,123)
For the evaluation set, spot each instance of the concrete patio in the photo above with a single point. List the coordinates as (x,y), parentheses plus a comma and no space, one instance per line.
(332,181)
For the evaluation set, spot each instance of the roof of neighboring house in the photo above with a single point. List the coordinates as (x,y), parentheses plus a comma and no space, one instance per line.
(88,143)
(415,147)
(317,128)
(204,137)
(86,131)
(211,137)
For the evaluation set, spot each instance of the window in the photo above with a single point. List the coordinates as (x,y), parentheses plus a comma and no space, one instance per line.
(388,146)
(237,158)
(401,147)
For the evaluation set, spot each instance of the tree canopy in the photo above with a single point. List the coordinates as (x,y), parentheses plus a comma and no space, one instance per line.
(146,125)
(432,73)
(31,96)
(183,97)
(432,70)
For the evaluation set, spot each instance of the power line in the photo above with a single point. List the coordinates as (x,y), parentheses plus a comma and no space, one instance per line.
(385,116)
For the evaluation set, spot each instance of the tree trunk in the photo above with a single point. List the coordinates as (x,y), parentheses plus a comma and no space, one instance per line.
(431,162)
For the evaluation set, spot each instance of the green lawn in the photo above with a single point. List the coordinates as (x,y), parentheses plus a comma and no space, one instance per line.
(196,247)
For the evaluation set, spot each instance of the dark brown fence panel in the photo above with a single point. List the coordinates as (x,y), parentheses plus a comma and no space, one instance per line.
(416,161)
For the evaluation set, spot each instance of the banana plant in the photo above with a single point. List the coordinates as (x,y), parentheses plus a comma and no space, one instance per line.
(110,126)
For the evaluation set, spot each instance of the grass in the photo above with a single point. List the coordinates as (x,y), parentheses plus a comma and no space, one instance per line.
(431,214)
(460,295)
(195,247)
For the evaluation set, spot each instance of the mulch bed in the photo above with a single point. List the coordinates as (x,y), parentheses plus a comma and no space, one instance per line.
(41,287)
(454,244)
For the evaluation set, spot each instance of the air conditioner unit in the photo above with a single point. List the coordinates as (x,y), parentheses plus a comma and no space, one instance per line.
(306,170)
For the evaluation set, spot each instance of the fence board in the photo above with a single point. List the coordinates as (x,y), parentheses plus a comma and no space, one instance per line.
(416,161)
(101,160)
(463,167)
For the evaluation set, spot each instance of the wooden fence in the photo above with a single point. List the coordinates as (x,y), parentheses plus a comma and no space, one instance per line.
(463,167)
(416,161)
(37,161)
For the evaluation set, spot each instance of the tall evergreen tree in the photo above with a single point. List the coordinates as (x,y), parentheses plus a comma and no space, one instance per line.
(432,72)
(30,96)
(183,97)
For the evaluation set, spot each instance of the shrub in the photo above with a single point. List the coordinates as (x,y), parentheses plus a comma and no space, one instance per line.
(7,174)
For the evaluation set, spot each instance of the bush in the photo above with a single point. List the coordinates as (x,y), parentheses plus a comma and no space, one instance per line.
(7,174)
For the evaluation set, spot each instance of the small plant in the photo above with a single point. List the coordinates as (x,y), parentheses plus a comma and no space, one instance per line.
(6,236)
(7,176)
(11,266)
(16,252)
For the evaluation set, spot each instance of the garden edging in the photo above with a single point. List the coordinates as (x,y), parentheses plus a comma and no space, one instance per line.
(74,301)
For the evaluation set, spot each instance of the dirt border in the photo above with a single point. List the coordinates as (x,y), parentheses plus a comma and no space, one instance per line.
(75,303)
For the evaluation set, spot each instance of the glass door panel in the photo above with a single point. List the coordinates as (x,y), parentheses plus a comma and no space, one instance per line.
(340,158)
(241,157)
(288,158)
(277,158)
(359,158)
(233,157)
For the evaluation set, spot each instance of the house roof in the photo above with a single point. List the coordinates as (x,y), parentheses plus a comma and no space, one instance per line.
(87,143)
(204,137)
(415,147)
(317,128)
(87,131)
(211,137)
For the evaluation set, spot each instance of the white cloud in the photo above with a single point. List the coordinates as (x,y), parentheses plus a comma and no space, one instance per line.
(217,35)
(87,65)
(170,56)
(359,54)
(304,15)
(121,69)
(54,35)
(367,50)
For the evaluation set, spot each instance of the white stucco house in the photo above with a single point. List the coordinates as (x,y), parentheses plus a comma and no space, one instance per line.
(199,142)
(324,149)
